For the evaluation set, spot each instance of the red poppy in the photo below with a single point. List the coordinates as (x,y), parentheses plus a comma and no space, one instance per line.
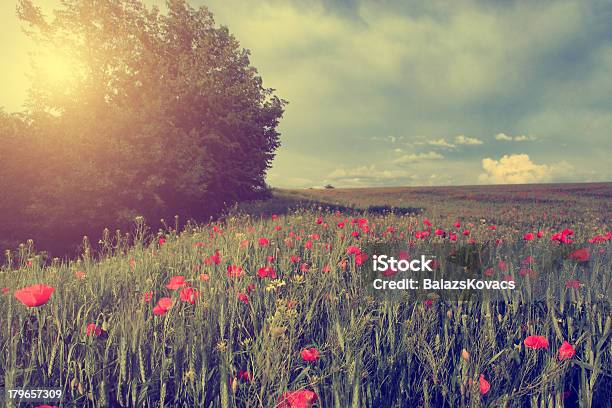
(457,224)
(176,282)
(484,385)
(528,260)
(297,399)
(274,216)
(361,258)
(79,274)
(35,295)
(266,272)
(147,297)
(502,265)
(580,255)
(536,342)
(295,259)
(540,234)
(466,232)
(310,354)
(5,291)
(308,244)
(353,250)
(566,351)
(234,271)
(264,242)
(189,295)
(204,277)
(243,297)
(489,272)
(244,375)
(162,241)
(528,237)
(492,227)
(163,305)
(427,222)
(572,284)
(93,330)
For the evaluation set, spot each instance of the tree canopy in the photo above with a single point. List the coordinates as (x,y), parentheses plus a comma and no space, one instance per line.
(132,112)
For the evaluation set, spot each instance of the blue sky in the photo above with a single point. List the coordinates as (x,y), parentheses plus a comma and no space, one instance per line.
(423,93)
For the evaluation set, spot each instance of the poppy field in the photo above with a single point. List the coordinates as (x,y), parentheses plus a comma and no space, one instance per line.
(267,307)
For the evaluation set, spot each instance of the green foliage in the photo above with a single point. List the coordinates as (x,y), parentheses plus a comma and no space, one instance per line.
(162,114)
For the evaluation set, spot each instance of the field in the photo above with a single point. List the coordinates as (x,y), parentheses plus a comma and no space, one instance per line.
(267,307)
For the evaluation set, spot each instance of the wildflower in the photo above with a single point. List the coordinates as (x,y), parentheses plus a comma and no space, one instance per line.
(426,222)
(79,274)
(5,291)
(528,237)
(297,399)
(176,282)
(540,234)
(243,297)
(93,330)
(189,295)
(234,271)
(457,224)
(580,255)
(484,385)
(536,342)
(310,354)
(204,277)
(163,305)
(147,297)
(465,355)
(244,375)
(466,232)
(353,250)
(161,241)
(263,242)
(308,244)
(492,227)
(266,272)
(566,351)
(573,284)
(35,295)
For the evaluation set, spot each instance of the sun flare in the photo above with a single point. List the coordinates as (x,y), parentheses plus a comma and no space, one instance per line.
(56,68)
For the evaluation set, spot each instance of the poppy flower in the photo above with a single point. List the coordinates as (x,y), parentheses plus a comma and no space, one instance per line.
(163,305)
(176,282)
(536,342)
(580,255)
(297,399)
(274,217)
(540,234)
(147,297)
(466,232)
(189,295)
(457,224)
(79,274)
(528,237)
(264,242)
(353,250)
(93,330)
(266,272)
(492,227)
(572,284)
(566,351)
(484,385)
(161,241)
(427,222)
(5,291)
(234,271)
(310,354)
(528,260)
(295,259)
(204,277)
(489,272)
(361,258)
(243,297)
(308,244)
(244,375)
(35,295)
(439,232)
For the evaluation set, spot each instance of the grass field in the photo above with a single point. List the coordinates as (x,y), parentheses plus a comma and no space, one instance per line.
(228,314)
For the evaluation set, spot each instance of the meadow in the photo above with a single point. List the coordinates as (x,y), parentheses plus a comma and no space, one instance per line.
(267,306)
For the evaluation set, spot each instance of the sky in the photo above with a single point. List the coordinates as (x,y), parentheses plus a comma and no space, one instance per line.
(417,93)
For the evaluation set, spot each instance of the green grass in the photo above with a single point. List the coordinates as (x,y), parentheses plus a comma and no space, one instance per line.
(373,353)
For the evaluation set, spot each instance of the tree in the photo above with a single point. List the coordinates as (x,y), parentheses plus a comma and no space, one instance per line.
(161,114)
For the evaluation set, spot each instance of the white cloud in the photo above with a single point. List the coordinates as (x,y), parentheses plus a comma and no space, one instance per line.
(519,138)
(441,143)
(464,140)
(519,169)
(409,158)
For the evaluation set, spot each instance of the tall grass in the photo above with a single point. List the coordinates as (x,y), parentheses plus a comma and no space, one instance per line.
(374,353)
